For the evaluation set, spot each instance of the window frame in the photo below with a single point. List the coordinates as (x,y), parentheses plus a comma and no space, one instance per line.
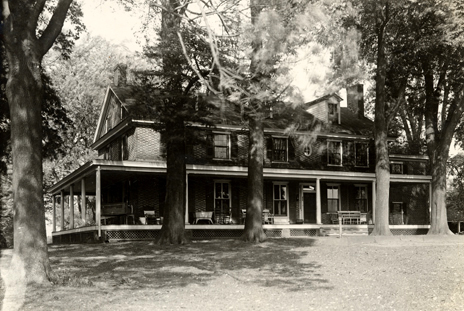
(329,152)
(338,199)
(275,200)
(366,199)
(401,164)
(221,197)
(280,150)
(356,143)
(227,146)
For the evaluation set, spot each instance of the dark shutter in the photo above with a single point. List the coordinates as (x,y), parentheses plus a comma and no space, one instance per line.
(234,145)
(210,146)
(291,149)
(268,148)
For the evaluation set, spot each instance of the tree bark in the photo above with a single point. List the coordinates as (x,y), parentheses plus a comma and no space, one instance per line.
(438,143)
(253,231)
(24,90)
(382,165)
(173,229)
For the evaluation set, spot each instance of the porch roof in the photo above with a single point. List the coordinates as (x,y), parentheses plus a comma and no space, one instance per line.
(119,169)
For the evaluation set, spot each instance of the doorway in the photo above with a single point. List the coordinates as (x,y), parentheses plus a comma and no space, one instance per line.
(309,207)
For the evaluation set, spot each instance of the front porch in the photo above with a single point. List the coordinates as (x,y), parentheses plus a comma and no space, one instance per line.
(114,233)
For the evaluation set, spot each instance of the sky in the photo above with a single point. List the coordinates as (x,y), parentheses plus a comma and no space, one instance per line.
(109,19)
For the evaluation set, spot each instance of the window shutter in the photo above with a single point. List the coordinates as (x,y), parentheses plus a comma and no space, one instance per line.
(234,145)
(269,148)
(291,149)
(210,146)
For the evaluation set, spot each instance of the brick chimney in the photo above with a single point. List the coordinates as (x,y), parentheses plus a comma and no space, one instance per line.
(355,99)
(120,75)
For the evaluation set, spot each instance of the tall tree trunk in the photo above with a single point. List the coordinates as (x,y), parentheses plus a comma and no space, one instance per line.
(382,165)
(438,143)
(253,223)
(173,229)
(438,217)
(25,96)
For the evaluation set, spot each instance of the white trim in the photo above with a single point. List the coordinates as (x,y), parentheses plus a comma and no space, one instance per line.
(100,118)
(229,145)
(281,183)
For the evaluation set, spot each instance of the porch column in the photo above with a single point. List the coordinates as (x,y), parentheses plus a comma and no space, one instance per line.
(83,200)
(318,201)
(54,213)
(374,189)
(430,203)
(186,198)
(98,200)
(71,206)
(62,209)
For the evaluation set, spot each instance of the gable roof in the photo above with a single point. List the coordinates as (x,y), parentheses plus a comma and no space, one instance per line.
(323,98)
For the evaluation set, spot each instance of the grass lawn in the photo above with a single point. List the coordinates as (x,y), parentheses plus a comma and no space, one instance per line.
(279,274)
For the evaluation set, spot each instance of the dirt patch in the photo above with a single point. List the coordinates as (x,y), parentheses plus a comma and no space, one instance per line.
(290,274)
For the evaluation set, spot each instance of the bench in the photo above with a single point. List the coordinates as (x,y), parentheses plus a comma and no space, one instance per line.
(350,217)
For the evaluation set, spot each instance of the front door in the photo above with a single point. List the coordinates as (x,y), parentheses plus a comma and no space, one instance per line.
(309,208)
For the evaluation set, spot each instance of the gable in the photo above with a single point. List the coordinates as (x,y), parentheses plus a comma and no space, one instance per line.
(111,114)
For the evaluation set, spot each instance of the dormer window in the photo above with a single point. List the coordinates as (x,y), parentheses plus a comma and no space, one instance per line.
(333,112)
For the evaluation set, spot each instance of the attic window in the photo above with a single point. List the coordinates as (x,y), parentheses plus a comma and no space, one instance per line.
(333,112)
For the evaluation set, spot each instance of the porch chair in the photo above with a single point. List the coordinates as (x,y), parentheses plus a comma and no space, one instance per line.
(130,215)
(242,220)
(268,218)
(150,217)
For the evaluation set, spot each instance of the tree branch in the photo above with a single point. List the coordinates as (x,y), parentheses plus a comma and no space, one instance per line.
(54,26)
(38,8)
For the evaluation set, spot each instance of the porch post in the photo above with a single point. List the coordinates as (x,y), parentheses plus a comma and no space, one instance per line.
(98,200)
(83,200)
(62,209)
(430,202)
(373,199)
(318,201)
(54,213)
(186,198)
(71,206)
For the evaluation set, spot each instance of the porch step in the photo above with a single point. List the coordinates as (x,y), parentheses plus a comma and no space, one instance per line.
(345,231)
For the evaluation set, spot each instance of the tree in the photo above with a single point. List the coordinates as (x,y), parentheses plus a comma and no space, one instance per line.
(25,92)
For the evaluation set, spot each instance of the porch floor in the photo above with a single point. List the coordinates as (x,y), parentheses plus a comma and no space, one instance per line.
(111,233)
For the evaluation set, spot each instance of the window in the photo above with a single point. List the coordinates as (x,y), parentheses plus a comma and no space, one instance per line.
(397,214)
(333,197)
(307,151)
(396,168)
(279,149)
(222,146)
(361,154)
(222,204)
(280,200)
(333,110)
(125,148)
(334,153)
(361,198)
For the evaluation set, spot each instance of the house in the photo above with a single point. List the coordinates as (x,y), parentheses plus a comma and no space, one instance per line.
(315,177)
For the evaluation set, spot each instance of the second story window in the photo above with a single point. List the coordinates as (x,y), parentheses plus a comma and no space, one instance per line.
(222,146)
(279,149)
(361,154)
(334,153)
(396,167)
